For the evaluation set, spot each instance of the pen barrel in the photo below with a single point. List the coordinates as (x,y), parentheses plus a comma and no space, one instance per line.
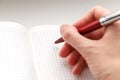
(96,24)
(85,29)
(89,27)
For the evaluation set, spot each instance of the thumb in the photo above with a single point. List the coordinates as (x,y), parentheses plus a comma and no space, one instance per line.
(72,37)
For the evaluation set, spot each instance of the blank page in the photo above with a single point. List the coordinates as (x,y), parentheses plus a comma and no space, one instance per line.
(50,65)
(15,61)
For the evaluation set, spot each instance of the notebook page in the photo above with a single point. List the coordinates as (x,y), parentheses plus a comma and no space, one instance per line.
(15,61)
(50,65)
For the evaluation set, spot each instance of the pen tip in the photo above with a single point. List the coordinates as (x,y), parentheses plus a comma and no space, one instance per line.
(59,41)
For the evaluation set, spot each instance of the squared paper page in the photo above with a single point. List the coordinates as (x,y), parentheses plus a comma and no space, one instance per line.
(15,61)
(50,65)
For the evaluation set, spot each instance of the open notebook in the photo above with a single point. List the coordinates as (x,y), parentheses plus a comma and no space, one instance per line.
(30,54)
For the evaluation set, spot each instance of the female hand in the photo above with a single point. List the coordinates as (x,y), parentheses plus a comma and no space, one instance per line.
(100,50)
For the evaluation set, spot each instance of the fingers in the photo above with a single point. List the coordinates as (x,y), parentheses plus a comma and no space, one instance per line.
(77,41)
(72,37)
(94,14)
(76,61)
(73,57)
(65,51)
(79,66)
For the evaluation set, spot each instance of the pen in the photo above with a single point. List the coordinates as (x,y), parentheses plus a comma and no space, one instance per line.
(103,21)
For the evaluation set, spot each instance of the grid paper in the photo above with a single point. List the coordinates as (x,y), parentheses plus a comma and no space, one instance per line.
(15,63)
(51,66)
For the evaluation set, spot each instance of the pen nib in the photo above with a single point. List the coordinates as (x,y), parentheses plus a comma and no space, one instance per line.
(59,41)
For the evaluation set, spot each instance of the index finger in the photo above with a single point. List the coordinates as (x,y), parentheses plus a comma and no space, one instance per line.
(94,14)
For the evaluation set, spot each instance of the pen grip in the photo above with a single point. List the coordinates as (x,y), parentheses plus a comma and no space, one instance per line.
(85,29)
(89,27)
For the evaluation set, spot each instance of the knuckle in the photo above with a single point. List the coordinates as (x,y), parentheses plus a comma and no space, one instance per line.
(67,35)
(63,27)
(66,31)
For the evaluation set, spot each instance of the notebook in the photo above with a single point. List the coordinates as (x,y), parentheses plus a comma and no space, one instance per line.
(30,54)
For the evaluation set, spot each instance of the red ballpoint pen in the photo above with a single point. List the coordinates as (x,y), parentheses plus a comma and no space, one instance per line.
(105,20)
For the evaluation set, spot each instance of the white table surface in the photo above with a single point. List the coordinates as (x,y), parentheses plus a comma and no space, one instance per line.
(49,12)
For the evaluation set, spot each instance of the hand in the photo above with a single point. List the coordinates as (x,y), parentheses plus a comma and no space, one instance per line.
(100,49)
(73,56)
